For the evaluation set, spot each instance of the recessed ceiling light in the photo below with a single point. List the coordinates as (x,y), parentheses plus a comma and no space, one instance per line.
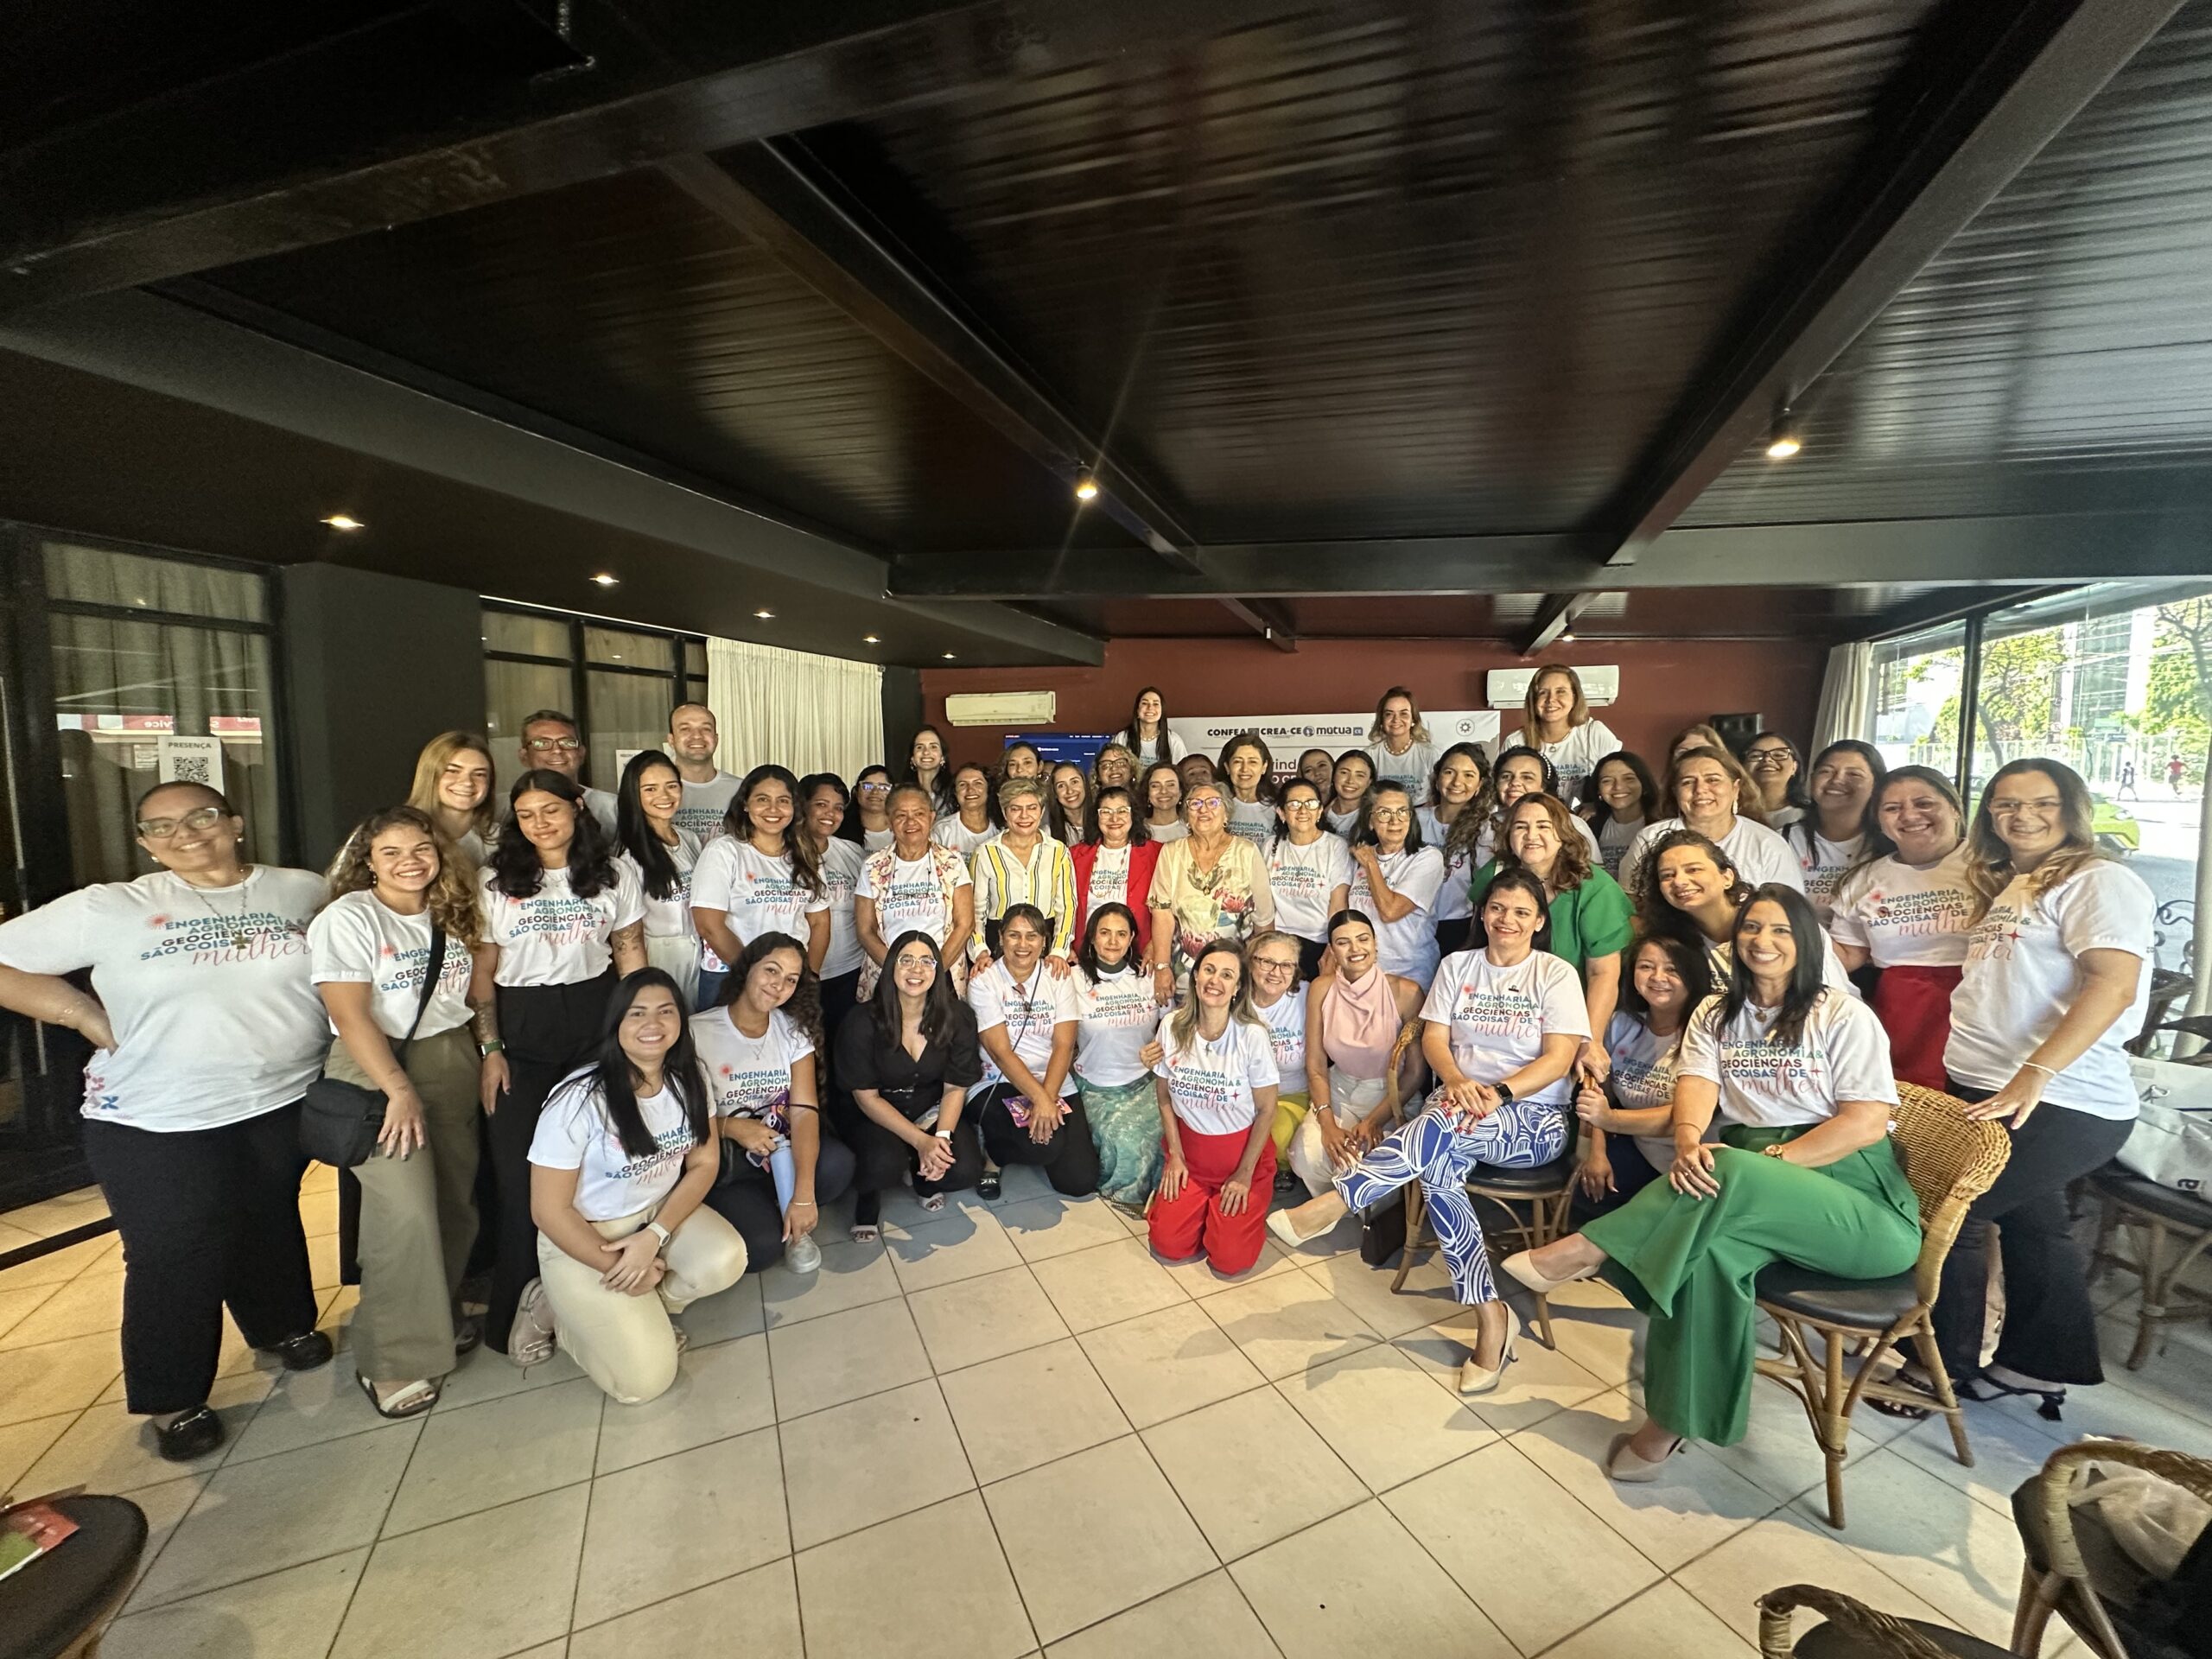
(606,579)
(870,639)
(344,521)
(1086,488)
(1566,638)
(948,657)
(765,616)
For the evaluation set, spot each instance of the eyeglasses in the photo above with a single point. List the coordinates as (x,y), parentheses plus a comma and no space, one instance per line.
(917,961)
(1275,962)
(552,744)
(1390,815)
(204,817)
(1301,806)
(875,789)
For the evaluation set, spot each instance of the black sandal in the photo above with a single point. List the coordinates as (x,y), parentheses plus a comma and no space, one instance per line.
(990,1186)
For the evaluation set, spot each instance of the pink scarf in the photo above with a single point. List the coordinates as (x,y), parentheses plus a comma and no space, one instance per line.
(1359,1024)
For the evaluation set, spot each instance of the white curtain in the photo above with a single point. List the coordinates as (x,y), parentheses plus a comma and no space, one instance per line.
(1847,703)
(812,714)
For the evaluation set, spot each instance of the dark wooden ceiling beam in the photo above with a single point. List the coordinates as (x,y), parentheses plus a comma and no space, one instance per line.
(1553,619)
(1959,145)
(1269,620)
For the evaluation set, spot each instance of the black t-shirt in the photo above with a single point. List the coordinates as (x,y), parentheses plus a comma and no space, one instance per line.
(867,1059)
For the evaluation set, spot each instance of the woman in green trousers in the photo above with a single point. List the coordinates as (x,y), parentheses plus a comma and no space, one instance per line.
(1803,1172)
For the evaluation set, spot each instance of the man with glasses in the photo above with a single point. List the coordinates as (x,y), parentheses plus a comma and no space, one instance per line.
(692,741)
(551,740)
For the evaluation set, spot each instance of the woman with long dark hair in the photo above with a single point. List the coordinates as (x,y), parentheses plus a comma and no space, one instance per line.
(1457,785)
(1147,735)
(762,875)
(1620,797)
(1117,1012)
(823,815)
(1691,891)
(1067,804)
(1309,872)
(1160,793)
(1349,782)
(1776,769)
(1117,866)
(974,816)
(1829,837)
(1627,1114)
(620,1165)
(906,1058)
(563,919)
(1519,771)
(1355,1013)
(646,803)
(928,766)
(1247,774)
(865,824)
(1803,1172)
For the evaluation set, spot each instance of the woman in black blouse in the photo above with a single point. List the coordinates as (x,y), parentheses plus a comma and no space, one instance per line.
(906,1058)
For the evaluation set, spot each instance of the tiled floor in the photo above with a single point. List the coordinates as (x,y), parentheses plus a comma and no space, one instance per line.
(1011,1430)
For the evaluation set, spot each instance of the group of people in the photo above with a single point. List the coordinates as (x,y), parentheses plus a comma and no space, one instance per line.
(631,1043)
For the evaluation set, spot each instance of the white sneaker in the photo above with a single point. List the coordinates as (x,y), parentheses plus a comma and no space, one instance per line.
(802,1255)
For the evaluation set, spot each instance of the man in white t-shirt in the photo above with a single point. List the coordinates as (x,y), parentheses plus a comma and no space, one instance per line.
(553,741)
(693,738)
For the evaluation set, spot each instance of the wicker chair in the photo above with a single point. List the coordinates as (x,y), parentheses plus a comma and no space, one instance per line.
(2073,1565)
(1854,1631)
(2155,1217)
(1950,1159)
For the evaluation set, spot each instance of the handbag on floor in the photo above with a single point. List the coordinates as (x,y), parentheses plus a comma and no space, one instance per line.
(1383,1231)
(339,1121)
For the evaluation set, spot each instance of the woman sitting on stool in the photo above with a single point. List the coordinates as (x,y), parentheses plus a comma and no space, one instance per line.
(1504,1024)
(1803,1173)
(1217,1089)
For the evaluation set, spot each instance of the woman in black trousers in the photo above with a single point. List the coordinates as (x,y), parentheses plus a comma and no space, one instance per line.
(206,1031)
(906,1058)
(563,919)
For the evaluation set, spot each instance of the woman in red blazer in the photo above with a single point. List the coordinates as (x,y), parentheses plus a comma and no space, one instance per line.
(1116,867)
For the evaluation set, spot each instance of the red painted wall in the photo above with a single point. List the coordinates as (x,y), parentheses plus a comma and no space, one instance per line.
(1664,686)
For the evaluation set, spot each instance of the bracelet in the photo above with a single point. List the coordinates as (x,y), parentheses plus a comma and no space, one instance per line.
(487,1050)
(2038,1066)
(809,1202)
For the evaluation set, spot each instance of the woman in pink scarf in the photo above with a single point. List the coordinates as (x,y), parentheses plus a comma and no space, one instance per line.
(1354,1013)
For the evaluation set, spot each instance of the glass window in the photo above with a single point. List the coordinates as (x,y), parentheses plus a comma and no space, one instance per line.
(1916,698)
(694,659)
(526,635)
(613,646)
(628,712)
(94,576)
(512,691)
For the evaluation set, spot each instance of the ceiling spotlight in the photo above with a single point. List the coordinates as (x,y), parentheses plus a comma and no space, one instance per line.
(765,616)
(1566,638)
(948,657)
(870,639)
(606,579)
(344,521)
(1786,439)
(1086,488)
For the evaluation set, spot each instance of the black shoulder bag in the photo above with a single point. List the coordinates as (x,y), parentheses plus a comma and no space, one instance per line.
(339,1121)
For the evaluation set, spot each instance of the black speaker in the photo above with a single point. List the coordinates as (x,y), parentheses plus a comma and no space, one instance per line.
(1736,730)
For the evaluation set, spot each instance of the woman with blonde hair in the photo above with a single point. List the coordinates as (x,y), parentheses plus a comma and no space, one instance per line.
(1216,1086)
(1556,723)
(454,781)
(1398,744)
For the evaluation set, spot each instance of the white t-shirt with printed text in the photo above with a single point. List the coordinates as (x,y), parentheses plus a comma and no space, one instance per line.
(1905,915)
(574,1133)
(1119,1013)
(1498,1017)
(1285,1019)
(1575,756)
(758,894)
(1210,1083)
(704,805)
(1303,878)
(1823,864)
(1032,1010)
(1407,946)
(750,1076)
(359,940)
(553,937)
(1842,1054)
(1643,1077)
(1758,855)
(841,874)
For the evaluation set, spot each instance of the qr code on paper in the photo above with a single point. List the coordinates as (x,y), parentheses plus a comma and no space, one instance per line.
(191,769)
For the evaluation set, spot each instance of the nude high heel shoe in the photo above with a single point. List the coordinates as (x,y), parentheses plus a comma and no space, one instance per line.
(1623,1464)
(1522,1266)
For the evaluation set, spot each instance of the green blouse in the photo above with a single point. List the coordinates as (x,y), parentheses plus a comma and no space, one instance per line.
(1594,919)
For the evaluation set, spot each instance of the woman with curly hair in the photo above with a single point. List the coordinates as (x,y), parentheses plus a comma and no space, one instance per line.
(762,875)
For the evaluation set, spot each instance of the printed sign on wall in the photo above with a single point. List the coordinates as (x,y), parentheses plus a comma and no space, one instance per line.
(1285,735)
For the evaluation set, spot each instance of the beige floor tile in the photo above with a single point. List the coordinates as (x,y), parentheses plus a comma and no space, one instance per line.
(2006,1451)
(886,1591)
(1093,1535)
(307,1409)
(1595,1327)
(1359,1583)
(57,1376)
(756,1613)
(827,1361)
(318,1212)
(1284,1324)
(19,1302)
(1199,1281)
(1777,1451)
(856,1464)
(295,1612)
(16,1239)
(277,1512)
(1538,1382)
(727,1314)
(1426,1299)
(674,1524)
(1249,1470)
(1163,1364)
(1384,1415)
(1044,1227)
(1787,1548)
(476,1587)
(109,1450)
(1695,1505)
(59,1215)
(494,1453)
(955,1247)
(851,1276)
(1030,1407)
(2118,1410)
(87,1304)
(322,1261)
(1463,1512)
(22,1445)
(976,1319)
(1107,1283)
(58,1266)
(718,1392)
(1663,1622)
(1209,1617)
(165,1506)
(487,1375)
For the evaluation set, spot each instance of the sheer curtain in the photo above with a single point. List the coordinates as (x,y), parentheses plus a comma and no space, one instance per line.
(812,714)
(1846,704)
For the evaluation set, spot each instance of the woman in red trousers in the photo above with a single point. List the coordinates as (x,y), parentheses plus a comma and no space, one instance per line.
(1216,1082)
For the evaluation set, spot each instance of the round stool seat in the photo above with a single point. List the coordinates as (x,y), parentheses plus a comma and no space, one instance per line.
(2182,1209)
(46,1607)
(1535,1180)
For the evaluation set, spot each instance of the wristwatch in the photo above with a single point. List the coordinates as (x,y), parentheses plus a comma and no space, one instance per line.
(945,1134)
(661,1232)
(1505,1094)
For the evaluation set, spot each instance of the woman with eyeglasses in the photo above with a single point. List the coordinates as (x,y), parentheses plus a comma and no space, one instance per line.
(1146,736)
(564,917)
(620,1167)
(866,826)
(2056,979)
(1115,768)
(1705,785)
(762,874)
(1161,794)
(1026,1107)
(646,803)
(1355,1013)
(1117,867)
(906,1058)
(1210,884)
(1773,763)
(926,767)
(1023,865)
(1271,961)
(823,817)
(1619,799)
(1455,787)
(1348,783)
(1309,873)
(1067,806)
(914,885)
(1828,839)
(1216,1083)
(1398,744)
(1907,910)
(1248,769)
(974,817)
(1394,879)
(1556,723)
(206,1030)
(1117,1013)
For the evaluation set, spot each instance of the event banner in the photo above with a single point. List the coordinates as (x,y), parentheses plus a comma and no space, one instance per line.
(1285,735)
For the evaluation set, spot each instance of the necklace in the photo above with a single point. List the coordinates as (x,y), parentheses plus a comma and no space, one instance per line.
(241,939)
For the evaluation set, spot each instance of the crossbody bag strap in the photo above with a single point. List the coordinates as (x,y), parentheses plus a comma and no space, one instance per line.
(429,988)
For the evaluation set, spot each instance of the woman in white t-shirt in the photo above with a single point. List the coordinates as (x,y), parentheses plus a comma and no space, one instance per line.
(1147,735)
(1159,794)
(1398,744)
(1067,804)
(867,828)
(1026,1107)
(1216,1083)
(762,875)
(1349,782)
(1557,723)
(2058,976)
(1309,871)
(914,884)
(1831,837)
(1694,892)
(1117,1013)
(761,1047)
(1906,909)
(454,781)
(206,1031)
(646,803)
(1456,788)
(624,1157)
(1396,880)
(1620,799)
(1520,772)
(974,817)
(1705,785)
(1249,788)
(1772,763)
(1271,963)
(395,894)
(563,917)
(1803,1173)
(822,817)
(1501,1028)
(1627,1117)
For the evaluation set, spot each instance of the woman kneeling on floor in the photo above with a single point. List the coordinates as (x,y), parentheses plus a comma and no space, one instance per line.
(1503,1025)
(626,1150)
(1803,1172)
(1216,1083)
